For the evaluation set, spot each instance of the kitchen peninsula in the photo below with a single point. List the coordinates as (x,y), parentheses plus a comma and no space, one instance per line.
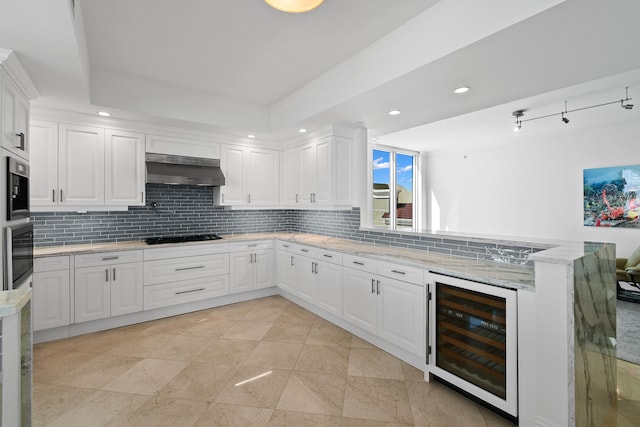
(561,300)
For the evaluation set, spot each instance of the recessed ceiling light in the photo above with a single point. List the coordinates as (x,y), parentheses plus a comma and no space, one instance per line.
(104,113)
(302,130)
(251,136)
(394,112)
(461,89)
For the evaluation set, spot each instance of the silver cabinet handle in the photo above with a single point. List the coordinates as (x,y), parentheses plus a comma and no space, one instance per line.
(292,260)
(53,195)
(398,272)
(304,250)
(358,262)
(253,245)
(61,200)
(189,291)
(189,268)
(328,256)
(107,258)
(373,285)
(114,274)
(21,136)
(248,198)
(378,287)
(296,198)
(285,246)
(106,275)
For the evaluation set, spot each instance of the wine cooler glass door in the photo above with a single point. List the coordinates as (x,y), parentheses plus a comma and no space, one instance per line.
(475,341)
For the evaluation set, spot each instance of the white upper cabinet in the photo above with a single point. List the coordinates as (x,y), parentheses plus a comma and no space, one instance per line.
(163,144)
(290,181)
(15,118)
(124,167)
(77,167)
(81,165)
(44,163)
(251,176)
(318,173)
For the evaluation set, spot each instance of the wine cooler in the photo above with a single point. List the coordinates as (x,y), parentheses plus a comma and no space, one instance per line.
(473,339)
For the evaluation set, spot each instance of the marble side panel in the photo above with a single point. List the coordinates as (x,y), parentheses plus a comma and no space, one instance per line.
(595,337)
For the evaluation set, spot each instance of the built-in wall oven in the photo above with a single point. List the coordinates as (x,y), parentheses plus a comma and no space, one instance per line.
(17,193)
(473,339)
(18,255)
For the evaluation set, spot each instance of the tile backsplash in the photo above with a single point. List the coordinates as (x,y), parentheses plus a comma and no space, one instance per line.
(184,210)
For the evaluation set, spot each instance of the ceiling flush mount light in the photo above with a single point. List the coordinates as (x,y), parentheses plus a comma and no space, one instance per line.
(623,102)
(394,112)
(104,113)
(302,130)
(294,6)
(251,136)
(461,89)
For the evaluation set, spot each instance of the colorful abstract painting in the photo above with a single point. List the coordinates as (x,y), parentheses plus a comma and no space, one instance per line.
(611,197)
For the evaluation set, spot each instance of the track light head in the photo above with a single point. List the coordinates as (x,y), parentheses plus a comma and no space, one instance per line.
(626,106)
(517,114)
(564,119)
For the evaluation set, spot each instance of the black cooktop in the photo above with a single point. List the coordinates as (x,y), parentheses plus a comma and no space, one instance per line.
(181,239)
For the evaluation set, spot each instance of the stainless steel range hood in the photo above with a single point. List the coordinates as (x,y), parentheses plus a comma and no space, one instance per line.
(172,169)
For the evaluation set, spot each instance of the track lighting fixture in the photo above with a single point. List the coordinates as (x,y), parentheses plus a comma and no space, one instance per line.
(624,103)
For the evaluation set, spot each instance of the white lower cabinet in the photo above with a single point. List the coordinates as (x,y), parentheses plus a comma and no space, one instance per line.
(251,266)
(286,271)
(50,292)
(179,275)
(389,308)
(328,287)
(107,284)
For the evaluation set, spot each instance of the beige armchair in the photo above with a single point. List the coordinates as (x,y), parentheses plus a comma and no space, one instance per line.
(628,269)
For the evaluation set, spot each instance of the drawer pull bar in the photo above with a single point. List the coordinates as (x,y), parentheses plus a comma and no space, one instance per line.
(373,284)
(252,245)
(110,258)
(358,262)
(328,256)
(398,272)
(304,250)
(189,291)
(189,268)
(285,246)
(378,287)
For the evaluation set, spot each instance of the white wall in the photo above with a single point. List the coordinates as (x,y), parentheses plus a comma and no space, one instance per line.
(530,186)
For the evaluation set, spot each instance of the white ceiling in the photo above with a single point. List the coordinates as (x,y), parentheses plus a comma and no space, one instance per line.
(239,67)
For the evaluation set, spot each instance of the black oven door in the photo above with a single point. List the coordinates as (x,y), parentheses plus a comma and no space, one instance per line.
(19,255)
(17,189)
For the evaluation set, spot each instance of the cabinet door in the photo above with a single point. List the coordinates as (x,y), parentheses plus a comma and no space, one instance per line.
(290,182)
(43,180)
(50,299)
(328,287)
(308,175)
(305,277)
(241,274)
(263,169)
(124,167)
(81,165)
(15,112)
(92,293)
(263,269)
(324,176)
(286,272)
(359,299)
(232,164)
(401,315)
(126,288)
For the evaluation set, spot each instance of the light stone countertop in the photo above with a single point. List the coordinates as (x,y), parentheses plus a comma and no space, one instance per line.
(489,272)
(11,302)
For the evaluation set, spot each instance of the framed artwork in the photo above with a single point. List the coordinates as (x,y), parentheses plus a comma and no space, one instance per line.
(611,197)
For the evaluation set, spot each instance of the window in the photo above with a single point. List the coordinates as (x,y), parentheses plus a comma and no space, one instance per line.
(393,190)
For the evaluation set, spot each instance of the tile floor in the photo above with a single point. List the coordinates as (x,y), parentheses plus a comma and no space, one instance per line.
(266,362)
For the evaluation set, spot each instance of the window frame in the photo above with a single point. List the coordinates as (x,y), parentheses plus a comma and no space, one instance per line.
(416,194)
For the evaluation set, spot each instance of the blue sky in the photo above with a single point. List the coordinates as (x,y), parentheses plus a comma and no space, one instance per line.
(404,168)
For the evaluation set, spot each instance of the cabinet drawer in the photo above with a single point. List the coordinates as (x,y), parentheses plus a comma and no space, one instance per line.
(108,258)
(401,272)
(288,246)
(329,256)
(178,269)
(52,263)
(251,246)
(360,263)
(166,294)
(186,250)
